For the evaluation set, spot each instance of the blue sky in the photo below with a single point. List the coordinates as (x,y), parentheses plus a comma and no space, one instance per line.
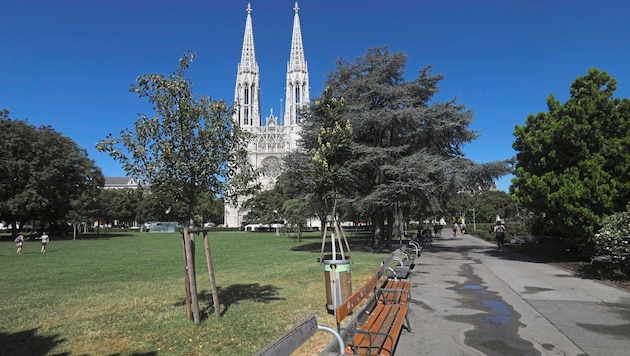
(69,63)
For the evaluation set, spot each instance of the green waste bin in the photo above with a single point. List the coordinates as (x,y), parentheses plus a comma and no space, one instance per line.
(338,282)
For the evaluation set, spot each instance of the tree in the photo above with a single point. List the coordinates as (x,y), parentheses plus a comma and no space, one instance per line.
(120,206)
(573,165)
(487,204)
(265,207)
(43,172)
(189,147)
(407,149)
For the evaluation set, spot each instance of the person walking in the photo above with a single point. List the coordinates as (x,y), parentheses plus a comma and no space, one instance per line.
(19,242)
(45,239)
(455,230)
(499,231)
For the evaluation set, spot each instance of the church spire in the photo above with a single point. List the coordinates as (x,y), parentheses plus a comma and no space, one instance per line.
(248,54)
(297,90)
(247,92)
(297,61)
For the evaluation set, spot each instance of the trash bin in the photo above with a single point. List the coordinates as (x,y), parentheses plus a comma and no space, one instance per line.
(338,282)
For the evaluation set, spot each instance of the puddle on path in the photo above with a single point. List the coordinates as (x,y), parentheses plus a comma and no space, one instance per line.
(496,325)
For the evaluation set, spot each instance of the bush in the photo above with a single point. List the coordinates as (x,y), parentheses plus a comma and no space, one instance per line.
(613,240)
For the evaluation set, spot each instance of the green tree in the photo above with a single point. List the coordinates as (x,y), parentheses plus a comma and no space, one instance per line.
(189,147)
(159,206)
(407,148)
(120,206)
(573,164)
(42,173)
(265,207)
(487,204)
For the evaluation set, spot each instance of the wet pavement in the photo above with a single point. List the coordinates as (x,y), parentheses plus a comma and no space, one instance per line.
(469,298)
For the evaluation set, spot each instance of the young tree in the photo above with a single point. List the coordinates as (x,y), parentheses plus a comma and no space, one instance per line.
(189,147)
(573,164)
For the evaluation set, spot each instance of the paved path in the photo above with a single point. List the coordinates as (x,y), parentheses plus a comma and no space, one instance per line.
(469,298)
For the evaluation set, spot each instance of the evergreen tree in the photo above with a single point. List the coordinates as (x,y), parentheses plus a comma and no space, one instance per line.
(406,149)
(573,161)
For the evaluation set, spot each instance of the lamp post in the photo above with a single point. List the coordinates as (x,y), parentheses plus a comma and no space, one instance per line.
(474,221)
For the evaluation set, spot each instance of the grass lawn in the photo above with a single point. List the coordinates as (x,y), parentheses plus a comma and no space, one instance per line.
(123,294)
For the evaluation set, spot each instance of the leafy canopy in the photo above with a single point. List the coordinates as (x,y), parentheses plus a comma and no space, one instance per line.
(189,146)
(42,173)
(573,164)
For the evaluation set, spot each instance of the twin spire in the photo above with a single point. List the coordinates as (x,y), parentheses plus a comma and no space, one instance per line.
(247,92)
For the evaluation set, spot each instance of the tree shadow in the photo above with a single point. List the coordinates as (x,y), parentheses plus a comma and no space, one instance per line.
(32,343)
(234,294)
(29,342)
(359,241)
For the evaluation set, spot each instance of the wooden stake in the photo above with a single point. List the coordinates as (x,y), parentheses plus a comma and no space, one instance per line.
(213,283)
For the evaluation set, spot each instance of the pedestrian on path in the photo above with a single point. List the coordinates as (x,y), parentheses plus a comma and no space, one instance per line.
(19,242)
(45,239)
(455,230)
(499,231)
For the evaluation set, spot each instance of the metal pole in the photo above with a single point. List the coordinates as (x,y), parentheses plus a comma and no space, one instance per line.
(474,221)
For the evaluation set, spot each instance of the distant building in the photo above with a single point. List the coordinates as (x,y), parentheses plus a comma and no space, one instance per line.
(277,136)
(121,183)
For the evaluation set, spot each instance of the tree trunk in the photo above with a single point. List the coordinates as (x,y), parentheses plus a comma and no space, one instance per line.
(377,236)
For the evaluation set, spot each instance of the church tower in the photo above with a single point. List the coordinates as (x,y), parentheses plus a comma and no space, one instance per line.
(297,94)
(274,138)
(247,91)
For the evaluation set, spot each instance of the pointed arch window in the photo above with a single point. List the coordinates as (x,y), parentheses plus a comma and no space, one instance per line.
(298,94)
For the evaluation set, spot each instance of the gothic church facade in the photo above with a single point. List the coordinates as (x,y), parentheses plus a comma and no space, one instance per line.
(277,136)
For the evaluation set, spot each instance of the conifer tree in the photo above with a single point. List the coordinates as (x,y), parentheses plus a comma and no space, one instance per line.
(573,161)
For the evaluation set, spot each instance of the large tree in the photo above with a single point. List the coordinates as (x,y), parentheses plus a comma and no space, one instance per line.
(120,206)
(43,171)
(190,146)
(573,161)
(407,149)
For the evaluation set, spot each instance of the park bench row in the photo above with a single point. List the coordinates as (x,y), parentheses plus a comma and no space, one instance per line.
(376,329)
(373,331)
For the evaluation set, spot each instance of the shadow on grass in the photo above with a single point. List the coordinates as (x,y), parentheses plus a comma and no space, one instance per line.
(359,241)
(29,342)
(32,343)
(234,294)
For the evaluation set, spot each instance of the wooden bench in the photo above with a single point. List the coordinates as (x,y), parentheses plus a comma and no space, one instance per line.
(294,338)
(378,334)
(394,292)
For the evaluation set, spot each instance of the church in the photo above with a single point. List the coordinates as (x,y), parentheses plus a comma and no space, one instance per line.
(277,136)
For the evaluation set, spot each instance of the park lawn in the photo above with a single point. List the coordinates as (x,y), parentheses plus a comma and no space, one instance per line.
(123,294)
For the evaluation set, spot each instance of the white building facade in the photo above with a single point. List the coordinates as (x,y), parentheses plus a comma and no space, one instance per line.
(278,135)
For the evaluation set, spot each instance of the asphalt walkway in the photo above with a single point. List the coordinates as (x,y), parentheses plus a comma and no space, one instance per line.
(469,298)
